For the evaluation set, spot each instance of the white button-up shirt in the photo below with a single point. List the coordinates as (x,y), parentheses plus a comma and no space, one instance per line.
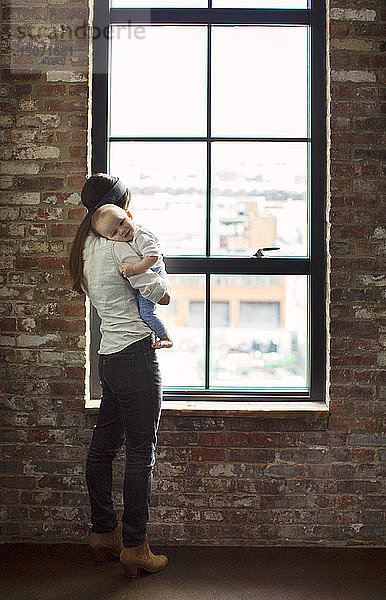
(113,296)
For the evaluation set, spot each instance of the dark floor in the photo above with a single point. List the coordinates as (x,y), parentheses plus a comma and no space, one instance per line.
(69,572)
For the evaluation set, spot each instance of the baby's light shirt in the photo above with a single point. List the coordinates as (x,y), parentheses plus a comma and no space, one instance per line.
(145,243)
(113,296)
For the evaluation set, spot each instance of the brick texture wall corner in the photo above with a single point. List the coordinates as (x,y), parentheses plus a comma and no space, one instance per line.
(218,480)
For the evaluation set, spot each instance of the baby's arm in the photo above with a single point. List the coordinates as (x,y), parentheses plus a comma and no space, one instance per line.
(143,265)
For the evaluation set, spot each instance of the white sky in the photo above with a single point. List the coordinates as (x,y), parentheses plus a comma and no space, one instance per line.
(259,89)
(259,81)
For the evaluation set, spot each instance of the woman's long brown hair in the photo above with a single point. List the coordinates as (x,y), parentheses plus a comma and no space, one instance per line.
(95,187)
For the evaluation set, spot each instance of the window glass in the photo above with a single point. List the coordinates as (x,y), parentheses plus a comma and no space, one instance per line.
(158,81)
(158,3)
(219,314)
(264,344)
(259,81)
(196,313)
(264,314)
(259,4)
(183,365)
(168,184)
(204,4)
(259,197)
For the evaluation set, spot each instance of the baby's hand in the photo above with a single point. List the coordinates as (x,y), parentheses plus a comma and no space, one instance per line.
(127,269)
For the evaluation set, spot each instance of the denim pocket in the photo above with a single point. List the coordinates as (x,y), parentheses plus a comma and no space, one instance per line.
(118,372)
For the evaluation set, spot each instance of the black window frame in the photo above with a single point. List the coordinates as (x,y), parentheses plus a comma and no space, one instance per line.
(315,265)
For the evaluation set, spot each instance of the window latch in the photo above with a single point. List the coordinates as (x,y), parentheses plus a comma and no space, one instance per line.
(259,252)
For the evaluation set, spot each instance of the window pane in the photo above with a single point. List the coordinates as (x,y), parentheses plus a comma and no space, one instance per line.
(259,197)
(168,183)
(158,3)
(183,365)
(204,3)
(196,313)
(259,4)
(263,314)
(158,81)
(265,343)
(220,314)
(259,81)
(219,317)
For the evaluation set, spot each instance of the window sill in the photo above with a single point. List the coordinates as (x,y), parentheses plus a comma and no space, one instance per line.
(267,410)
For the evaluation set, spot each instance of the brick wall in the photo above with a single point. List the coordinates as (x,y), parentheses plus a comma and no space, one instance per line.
(222,479)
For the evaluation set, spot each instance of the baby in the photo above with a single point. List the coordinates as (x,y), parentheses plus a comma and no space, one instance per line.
(113,223)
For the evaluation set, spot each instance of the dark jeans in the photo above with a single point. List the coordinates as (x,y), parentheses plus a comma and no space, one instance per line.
(129,412)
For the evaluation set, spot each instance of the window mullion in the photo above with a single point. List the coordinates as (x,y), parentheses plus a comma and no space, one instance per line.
(218,16)
(208,206)
(207,330)
(208,143)
(236,265)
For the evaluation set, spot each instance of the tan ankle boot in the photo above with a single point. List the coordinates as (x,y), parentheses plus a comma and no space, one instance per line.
(141,557)
(103,544)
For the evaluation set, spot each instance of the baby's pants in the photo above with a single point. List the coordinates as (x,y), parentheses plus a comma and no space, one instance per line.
(147,310)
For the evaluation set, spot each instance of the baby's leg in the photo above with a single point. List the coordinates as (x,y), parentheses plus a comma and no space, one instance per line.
(152,320)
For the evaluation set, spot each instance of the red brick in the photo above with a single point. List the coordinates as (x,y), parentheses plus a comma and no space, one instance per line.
(367,29)
(7,324)
(13,76)
(17,513)
(78,89)
(23,89)
(51,89)
(78,121)
(338,29)
(71,136)
(69,13)
(371,124)
(77,214)
(235,439)
(53,262)
(339,60)
(74,310)
(78,151)
(61,168)
(208,454)
(75,373)
(253,455)
(36,230)
(9,497)
(211,438)
(367,93)
(40,183)
(63,230)
(76,183)
(60,105)
(177,438)
(18,482)
(67,389)
(62,325)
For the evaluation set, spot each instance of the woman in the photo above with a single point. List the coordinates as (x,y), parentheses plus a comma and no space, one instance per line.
(131,384)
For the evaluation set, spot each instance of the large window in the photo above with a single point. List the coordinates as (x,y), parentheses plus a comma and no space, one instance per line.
(214,114)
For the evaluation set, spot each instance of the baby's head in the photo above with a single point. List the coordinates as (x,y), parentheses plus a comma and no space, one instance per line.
(112,222)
